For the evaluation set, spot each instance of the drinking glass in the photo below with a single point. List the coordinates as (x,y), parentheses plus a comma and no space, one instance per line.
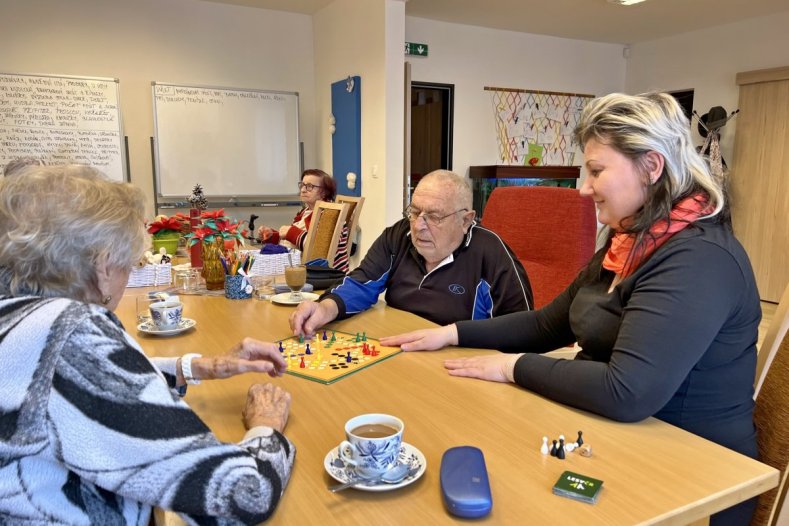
(296,277)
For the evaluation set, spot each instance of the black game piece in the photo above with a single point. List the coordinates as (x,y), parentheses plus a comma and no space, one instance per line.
(553,449)
(580,441)
(560,450)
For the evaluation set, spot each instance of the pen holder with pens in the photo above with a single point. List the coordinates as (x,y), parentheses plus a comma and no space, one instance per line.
(237,287)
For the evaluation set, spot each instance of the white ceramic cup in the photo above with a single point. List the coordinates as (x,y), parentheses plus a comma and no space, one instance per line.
(372,443)
(166,314)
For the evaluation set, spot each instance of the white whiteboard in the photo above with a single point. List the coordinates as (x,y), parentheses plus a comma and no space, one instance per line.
(233,142)
(62,119)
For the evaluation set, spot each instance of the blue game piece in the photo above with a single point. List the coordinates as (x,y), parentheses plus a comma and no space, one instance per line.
(348,357)
(281,348)
(308,351)
(324,336)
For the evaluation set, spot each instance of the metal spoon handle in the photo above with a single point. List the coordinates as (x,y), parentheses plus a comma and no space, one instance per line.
(351,483)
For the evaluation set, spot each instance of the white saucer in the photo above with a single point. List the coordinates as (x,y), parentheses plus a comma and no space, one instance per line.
(409,455)
(284,298)
(149,328)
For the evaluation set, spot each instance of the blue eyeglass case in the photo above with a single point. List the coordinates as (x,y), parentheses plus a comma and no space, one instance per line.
(464,482)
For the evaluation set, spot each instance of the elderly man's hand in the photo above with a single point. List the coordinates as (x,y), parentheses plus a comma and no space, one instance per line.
(310,316)
(248,356)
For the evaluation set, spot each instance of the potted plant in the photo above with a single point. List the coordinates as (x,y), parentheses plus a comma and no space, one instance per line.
(166,231)
(216,233)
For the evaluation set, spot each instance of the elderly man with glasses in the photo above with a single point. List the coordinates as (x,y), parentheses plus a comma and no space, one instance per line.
(436,262)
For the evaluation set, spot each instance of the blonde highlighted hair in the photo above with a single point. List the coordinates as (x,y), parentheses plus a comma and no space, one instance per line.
(58,222)
(636,124)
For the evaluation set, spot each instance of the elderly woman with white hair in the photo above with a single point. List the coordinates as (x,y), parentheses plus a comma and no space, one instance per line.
(91,430)
(666,313)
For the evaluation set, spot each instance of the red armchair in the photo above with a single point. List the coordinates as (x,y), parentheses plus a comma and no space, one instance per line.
(551,230)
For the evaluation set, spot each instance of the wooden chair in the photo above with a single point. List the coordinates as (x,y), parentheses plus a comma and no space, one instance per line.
(551,230)
(771,417)
(323,236)
(772,340)
(355,205)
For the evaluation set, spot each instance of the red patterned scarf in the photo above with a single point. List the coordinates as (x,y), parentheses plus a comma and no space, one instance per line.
(621,257)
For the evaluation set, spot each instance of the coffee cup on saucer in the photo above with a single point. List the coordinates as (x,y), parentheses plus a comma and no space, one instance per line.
(166,314)
(372,443)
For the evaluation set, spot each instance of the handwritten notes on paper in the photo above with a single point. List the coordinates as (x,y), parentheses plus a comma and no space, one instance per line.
(61,120)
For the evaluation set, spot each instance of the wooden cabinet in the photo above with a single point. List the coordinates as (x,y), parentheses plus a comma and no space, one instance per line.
(760,177)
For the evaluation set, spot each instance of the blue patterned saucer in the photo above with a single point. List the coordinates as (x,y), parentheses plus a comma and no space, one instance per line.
(408,455)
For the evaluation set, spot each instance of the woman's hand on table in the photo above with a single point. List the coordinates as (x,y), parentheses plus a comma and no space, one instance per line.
(424,340)
(266,405)
(247,356)
(491,367)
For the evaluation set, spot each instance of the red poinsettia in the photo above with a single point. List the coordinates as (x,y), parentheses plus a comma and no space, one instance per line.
(163,225)
(215,223)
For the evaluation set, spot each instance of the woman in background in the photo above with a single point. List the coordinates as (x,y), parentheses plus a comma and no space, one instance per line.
(315,185)
(666,314)
(91,430)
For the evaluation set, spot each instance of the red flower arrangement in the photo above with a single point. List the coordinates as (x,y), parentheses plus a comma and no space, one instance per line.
(163,226)
(213,224)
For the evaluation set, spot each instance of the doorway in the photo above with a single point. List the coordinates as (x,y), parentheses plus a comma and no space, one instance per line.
(432,110)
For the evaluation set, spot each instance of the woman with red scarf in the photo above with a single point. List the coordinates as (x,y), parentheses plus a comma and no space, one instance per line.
(315,185)
(666,313)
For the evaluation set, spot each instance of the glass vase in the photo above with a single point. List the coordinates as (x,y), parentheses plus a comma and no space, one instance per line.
(213,271)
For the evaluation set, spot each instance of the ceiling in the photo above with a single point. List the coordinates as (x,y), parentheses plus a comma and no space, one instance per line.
(595,20)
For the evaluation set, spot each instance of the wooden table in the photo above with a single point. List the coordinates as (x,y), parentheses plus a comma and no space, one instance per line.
(654,473)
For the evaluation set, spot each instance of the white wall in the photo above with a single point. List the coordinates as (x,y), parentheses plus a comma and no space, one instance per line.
(365,38)
(708,62)
(181,41)
(472,57)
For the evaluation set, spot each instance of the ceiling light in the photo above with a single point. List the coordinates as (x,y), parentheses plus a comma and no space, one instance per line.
(625,2)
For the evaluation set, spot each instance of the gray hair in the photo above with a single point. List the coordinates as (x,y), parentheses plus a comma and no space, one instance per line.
(58,222)
(636,124)
(17,165)
(463,196)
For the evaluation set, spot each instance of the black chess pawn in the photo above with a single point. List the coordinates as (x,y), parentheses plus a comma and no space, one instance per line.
(553,449)
(580,441)
(560,450)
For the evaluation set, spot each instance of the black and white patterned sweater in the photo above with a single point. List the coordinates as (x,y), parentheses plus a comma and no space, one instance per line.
(91,432)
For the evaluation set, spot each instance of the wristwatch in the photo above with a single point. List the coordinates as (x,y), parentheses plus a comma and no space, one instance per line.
(186,368)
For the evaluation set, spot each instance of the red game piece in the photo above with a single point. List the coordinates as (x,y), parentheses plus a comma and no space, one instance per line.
(302,363)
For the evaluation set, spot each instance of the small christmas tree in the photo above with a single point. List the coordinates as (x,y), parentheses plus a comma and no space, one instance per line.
(197,199)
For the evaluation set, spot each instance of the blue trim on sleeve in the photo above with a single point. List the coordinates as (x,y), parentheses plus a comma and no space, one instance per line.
(361,296)
(483,302)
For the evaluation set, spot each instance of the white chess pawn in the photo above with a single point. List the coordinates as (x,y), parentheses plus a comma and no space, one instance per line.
(544,449)
(569,447)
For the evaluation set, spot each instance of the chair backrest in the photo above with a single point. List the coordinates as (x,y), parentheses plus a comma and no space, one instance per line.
(355,205)
(323,236)
(551,230)
(772,340)
(771,417)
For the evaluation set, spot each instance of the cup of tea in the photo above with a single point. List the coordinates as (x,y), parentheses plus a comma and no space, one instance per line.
(372,443)
(166,314)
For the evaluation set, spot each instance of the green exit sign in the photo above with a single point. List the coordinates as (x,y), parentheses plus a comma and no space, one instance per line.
(415,48)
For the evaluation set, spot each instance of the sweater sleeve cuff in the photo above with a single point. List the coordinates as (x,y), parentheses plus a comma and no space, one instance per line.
(341,310)
(258,432)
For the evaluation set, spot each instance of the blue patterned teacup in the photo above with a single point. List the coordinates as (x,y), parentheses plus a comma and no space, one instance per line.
(166,315)
(372,443)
